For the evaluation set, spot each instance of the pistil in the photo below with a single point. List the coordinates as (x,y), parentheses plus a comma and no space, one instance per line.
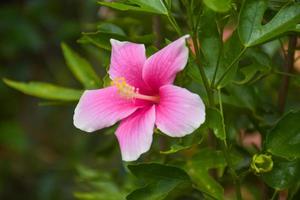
(154,99)
(129,92)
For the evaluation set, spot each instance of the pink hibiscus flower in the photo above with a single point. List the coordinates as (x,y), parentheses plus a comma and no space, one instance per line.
(142,96)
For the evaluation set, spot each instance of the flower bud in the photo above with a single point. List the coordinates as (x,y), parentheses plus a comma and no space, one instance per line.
(261,163)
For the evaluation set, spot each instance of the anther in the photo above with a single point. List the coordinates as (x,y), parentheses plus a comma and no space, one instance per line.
(124,89)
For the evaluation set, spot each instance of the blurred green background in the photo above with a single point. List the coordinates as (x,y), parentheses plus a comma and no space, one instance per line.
(40,150)
(42,155)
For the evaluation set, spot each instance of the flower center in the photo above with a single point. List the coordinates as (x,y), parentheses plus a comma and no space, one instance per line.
(129,92)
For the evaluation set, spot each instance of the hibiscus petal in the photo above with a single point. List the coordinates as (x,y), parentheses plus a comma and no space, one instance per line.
(179,111)
(101,108)
(127,60)
(162,67)
(135,133)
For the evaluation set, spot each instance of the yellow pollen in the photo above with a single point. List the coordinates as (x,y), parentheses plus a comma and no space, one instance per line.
(129,92)
(124,89)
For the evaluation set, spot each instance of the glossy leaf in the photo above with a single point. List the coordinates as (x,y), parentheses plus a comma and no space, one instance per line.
(214,121)
(284,139)
(45,90)
(160,180)
(218,5)
(184,143)
(153,6)
(283,175)
(155,191)
(81,68)
(251,30)
(97,185)
(198,167)
(155,171)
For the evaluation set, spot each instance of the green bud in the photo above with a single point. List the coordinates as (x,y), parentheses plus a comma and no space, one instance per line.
(261,163)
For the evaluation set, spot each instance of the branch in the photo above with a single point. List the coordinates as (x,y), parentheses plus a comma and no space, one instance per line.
(289,63)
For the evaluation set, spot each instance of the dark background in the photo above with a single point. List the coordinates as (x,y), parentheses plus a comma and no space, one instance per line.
(40,150)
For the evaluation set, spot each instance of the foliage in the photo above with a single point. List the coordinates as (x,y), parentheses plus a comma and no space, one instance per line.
(243,63)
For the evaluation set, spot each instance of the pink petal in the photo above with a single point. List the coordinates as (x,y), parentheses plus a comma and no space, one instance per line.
(127,60)
(162,67)
(135,133)
(179,111)
(98,109)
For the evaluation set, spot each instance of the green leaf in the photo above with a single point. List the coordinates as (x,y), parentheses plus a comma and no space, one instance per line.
(259,67)
(251,30)
(175,148)
(168,3)
(198,167)
(153,6)
(252,73)
(97,185)
(228,67)
(193,72)
(210,41)
(144,39)
(161,181)
(156,171)
(155,191)
(278,4)
(283,175)
(111,28)
(214,121)
(81,69)
(106,81)
(101,38)
(218,5)
(284,139)
(45,90)
(242,97)
(184,143)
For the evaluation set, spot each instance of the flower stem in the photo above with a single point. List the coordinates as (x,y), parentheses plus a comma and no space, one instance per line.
(234,176)
(225,151)
(201,69)
(174,23)
(222,115)
(194,27)
(217,67)
(274,195)
(286,74)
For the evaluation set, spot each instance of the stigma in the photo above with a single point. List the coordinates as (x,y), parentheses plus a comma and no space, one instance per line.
(127,91)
